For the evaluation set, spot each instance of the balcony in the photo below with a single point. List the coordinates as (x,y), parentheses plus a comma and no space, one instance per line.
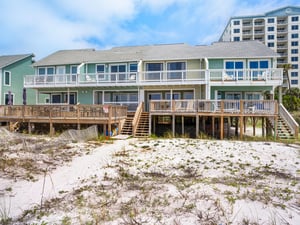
(222,107)
(178,77)
(246,76)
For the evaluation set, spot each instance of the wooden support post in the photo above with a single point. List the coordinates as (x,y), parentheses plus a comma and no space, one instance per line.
(213,126)
(263,126)
(52,129)
(182,125)
(236,126)
(173,125)
(245,124)
(29,128)
(104,129)
(109,129)
(222,128)
(241,128)
(254,126)
(150,123)
(228,126)
(197,126)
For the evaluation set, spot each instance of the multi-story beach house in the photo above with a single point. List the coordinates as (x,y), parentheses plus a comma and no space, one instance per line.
(12,70)
(278,29)
(165,87)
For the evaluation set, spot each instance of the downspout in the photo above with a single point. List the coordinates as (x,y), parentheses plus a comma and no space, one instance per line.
(78,72)
(207,78)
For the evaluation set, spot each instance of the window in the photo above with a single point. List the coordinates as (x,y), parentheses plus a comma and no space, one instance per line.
(176,70)
(294,66)
(236,22)
(236,39)
(254,96)
(45,70)
(294,74)
(118,72)
(271,28)
(294,51)
(294,43)
(294,81)
(153,71)
(9,99)
(271,44)
(175,96)
(258,69)
(294,59)
(236,31)
(295,27)
(100,70)
(7,78)
(188,95)
(133,67)
(270,37)
(271,20)
(73,70)
(295,35)
(234,69)
(295,18)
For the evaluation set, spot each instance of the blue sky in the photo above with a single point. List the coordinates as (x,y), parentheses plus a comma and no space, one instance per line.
(45,26)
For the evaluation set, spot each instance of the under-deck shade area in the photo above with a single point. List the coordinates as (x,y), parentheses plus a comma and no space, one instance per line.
(211,116)
(65,114)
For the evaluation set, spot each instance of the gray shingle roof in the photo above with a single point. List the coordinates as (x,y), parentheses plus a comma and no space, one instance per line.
(6,60)
(249,49)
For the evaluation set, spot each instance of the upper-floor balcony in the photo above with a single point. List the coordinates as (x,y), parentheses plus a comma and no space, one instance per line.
(178,77)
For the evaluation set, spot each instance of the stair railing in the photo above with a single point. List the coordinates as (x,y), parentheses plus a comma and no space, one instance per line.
(290,121)
(136,117)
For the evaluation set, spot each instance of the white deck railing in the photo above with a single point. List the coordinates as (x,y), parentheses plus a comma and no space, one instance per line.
(154,77)
(290,121)
(265,107)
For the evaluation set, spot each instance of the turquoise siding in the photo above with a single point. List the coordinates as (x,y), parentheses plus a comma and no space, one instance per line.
(18,71)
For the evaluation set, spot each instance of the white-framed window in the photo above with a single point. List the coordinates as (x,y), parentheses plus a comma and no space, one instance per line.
(175,96)
(234,69)
(61,70)
(176,70)
(7,78)
(233,95)
(154,96)
(188,95)
(253,96)
(45,70)
(118,71)
(153,71)
(100,70)
(9,99)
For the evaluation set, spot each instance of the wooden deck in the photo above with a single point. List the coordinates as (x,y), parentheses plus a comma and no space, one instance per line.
(217,111)
(64,114)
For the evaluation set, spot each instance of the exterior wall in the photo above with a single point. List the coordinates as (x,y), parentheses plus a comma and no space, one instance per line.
(18,70)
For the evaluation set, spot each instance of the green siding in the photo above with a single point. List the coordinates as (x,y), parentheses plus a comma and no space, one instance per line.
(18,71)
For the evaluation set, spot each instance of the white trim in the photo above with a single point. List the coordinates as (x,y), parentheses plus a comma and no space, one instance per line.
(233,92)
(172,93)
(13,97)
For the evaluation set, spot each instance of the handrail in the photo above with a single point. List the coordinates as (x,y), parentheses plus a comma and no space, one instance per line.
(290,121)
(136,117)
(241,107)
(61,111)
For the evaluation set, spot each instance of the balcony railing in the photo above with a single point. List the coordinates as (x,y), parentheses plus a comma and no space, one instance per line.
(242,107)
(153,77)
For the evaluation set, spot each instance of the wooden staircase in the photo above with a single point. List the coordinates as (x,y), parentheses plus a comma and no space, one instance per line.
(283,130)
(142,129)
(127,128)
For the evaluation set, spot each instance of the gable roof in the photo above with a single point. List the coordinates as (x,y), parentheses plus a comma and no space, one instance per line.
(246,49)
(7,60)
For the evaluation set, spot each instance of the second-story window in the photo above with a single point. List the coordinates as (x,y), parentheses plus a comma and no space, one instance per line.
(153,71)
(7,78)
(45,70)
(176,70)
(100,69)
(118,72)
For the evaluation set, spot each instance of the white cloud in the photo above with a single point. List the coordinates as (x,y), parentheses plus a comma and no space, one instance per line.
(42,27)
